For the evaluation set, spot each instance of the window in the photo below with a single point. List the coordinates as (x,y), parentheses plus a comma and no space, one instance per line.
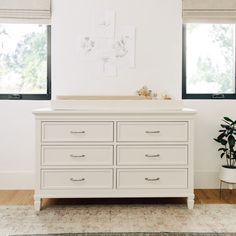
(208,61)
(25,61)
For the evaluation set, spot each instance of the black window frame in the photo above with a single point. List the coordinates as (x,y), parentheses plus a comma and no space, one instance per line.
(186,95)
(46,96)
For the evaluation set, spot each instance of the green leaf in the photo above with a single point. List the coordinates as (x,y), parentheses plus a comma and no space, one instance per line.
(221,136)
(222,154)
(223,149)
(225,126)
(221,130)
(231,141)
(228,119)
(217,140)
(223,141)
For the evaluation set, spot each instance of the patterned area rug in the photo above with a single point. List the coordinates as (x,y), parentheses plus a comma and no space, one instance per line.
(151,218)
(136,234)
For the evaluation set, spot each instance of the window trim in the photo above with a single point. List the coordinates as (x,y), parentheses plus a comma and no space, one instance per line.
(186,95)
(46,96)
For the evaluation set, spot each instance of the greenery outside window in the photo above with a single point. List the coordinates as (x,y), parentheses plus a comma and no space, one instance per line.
(209,61)
(25,61)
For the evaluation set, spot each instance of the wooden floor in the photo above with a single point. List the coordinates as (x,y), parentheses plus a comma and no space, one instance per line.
(202,196)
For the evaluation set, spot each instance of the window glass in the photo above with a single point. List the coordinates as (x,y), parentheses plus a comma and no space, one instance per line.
(210,58)
(23,59)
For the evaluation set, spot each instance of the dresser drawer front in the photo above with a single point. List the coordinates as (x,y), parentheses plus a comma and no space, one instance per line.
(77,179)
(152,155)
(152,131)
(77,155)
(152,179)
(77,131)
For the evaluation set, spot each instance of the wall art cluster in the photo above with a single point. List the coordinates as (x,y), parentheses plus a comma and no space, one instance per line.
(111,46)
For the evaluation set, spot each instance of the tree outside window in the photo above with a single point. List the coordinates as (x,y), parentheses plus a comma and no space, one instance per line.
(24,59)
(209,60)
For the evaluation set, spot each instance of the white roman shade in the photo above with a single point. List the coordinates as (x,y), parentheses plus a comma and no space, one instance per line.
(212,11)
(25,10)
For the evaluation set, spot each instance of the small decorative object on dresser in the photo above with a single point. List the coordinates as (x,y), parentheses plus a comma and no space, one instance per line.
(227,140)
(114,153)
(146,93)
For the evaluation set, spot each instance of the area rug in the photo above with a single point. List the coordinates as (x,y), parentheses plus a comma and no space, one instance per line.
(136,234)
(151,219)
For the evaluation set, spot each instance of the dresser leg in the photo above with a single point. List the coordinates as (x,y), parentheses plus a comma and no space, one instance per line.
(37,203)
(190,202)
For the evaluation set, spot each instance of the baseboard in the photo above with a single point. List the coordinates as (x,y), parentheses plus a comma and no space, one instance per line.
(207,180)
(16,180)
(25,180)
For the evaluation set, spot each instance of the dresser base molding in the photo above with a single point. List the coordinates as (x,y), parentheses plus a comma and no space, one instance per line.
(37,203)
(190,202)
(110,154)
(38,198)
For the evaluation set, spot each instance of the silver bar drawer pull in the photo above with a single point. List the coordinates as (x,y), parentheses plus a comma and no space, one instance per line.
(77,156)
(153,132)
(77,132)
(157,155)
(77,180)
(152,180)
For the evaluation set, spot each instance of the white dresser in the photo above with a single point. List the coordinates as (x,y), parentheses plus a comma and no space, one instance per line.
(114,153)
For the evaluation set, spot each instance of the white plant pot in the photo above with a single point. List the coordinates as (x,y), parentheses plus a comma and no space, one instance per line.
(227,175)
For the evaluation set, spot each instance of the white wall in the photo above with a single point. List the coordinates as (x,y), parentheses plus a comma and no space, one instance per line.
(158,65)
(17,143)
(158,51)
(209,118)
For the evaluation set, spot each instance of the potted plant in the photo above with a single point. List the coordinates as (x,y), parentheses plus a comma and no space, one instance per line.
(227,139)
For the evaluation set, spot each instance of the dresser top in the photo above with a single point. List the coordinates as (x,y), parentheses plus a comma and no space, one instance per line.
(114,111)
(115,107)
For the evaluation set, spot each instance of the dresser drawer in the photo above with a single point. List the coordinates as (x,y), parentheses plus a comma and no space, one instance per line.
(151,178)
(152,131)
(77,179)
(152,155)
(76,155)
(77,131)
